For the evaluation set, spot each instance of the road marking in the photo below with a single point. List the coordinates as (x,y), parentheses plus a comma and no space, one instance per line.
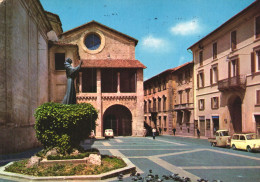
(148,149)
(167,142)
(118,141)
(169,154)
(174,169)
(106,144)
(219,167)
(116,152)
(238,155)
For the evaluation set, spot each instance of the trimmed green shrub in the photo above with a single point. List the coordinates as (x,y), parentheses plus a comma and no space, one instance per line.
(63,126)
(68,157)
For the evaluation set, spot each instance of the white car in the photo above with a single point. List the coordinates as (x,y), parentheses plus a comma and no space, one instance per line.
(109,133)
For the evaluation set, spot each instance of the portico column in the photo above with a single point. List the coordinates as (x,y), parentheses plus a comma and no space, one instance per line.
(80,82)
(118,82)
(138,118)
(99,127)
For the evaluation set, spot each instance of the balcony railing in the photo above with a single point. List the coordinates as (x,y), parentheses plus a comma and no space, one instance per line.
(186,106)
(233,83)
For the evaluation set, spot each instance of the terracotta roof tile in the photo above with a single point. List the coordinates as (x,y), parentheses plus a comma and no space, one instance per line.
(112,63)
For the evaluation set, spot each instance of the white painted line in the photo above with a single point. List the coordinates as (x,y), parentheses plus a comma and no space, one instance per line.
(220,167)
(118,141)
(116,152)
(174,169)
(179,153)
(167,142)
(106,144)
(238,155)
(148,149)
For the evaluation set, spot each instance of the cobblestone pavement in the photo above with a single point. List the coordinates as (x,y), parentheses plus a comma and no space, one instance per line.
(189,157)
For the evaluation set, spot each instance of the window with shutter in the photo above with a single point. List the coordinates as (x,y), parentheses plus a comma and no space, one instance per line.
(257,27)
(214,103)
(233,40)
(200,79)
(201,58)
(258,97)
(258,60)
(215,52)
(253,62)
(201,104)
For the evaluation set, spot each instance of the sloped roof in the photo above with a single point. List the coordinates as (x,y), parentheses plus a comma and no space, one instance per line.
(97,23)
(227,22)
(171,70)
(111,63)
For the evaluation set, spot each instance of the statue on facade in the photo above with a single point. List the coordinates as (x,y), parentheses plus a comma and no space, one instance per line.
(71,73)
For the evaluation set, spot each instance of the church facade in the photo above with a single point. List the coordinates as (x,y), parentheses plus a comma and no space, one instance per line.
(110,78)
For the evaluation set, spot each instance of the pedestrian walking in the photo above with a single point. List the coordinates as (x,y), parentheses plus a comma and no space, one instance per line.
(154,132)
(160,130)
(144,132)
(198,132)
(174,130)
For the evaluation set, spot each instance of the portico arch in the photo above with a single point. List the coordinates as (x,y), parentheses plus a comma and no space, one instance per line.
(118,118)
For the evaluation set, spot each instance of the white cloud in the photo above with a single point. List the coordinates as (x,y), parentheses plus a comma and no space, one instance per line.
(154,44)
(186,28)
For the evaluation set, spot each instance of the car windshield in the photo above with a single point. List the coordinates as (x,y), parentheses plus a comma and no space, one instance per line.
(224,133)
(251,136)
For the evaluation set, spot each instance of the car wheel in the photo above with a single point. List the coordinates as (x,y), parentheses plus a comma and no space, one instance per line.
(248,148)
(234,147)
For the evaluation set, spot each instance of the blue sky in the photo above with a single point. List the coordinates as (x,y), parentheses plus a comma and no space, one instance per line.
(164,28)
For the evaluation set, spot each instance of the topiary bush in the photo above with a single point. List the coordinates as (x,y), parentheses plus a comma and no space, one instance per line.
(63,126)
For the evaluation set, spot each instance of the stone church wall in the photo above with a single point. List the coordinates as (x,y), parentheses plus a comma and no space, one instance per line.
(24,72)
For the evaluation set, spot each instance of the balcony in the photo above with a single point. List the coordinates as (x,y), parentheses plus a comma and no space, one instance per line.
(233,83)
(186,106)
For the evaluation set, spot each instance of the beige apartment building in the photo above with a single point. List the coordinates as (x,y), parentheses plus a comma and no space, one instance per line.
(227,75)
(158,102)
(184,107)
(162,103)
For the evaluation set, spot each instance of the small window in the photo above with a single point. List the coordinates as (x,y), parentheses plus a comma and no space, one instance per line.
(214,103)
(214,75)
(180,78)
(159,86)
(59,61)
(164,103)
(257,27)
(233,40)
(235,137)
(215,50)
(164,85)
(188,95)
(201,104)
(242,137)
(180,97)
(201,58)
(200,80)
(258,97)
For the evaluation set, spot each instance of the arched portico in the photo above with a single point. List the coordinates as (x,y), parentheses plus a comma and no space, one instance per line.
(118,118)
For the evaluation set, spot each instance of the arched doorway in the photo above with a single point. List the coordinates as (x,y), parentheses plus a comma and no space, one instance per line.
(118,118)
(235,110)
